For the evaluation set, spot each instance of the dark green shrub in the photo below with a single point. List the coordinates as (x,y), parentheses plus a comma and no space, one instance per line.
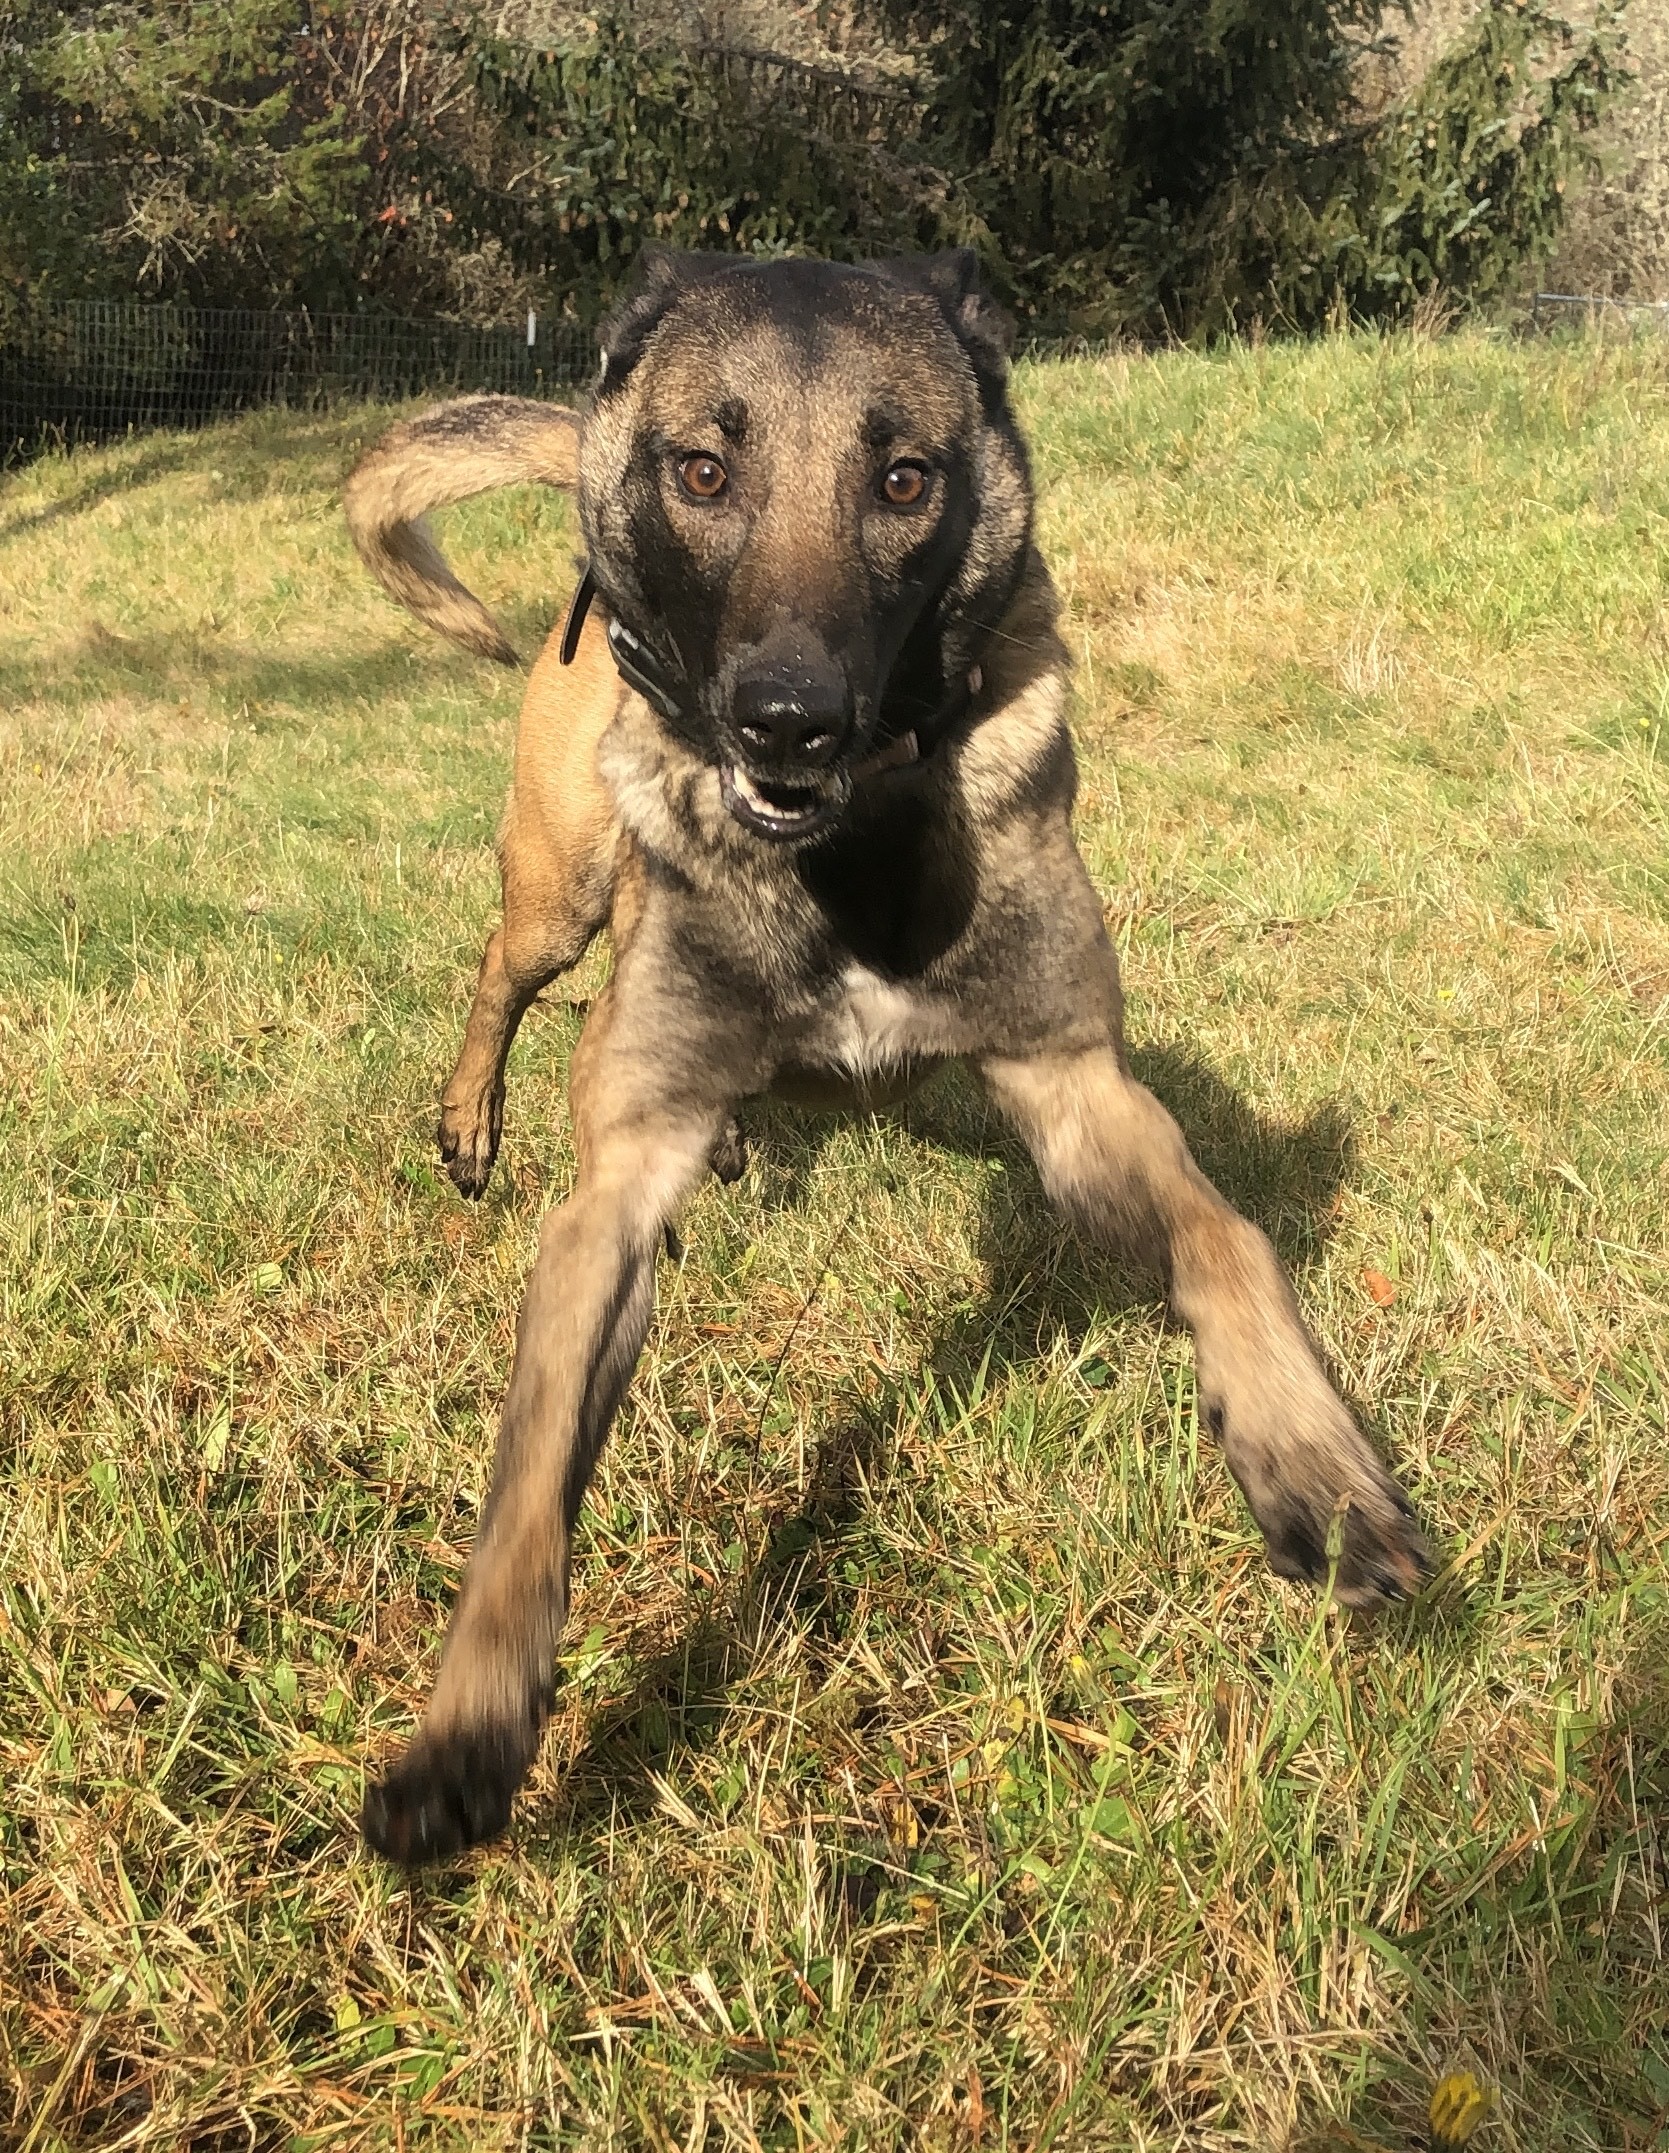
(1147,167)
(1125,166)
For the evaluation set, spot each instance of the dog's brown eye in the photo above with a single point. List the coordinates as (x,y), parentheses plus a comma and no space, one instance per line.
(904,484)
(704,477)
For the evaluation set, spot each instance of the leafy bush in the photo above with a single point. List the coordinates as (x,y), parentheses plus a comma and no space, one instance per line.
(217,151)
(1125,166)
(599,145)
(1456,192)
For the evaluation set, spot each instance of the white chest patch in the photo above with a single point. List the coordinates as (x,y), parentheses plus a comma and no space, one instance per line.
(875,1025)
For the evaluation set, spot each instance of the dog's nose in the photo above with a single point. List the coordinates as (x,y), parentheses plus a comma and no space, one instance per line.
(791,724)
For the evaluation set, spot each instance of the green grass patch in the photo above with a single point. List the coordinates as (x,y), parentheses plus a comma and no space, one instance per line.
(936,1765)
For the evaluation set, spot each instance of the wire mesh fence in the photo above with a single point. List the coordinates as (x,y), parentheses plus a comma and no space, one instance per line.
(1588,310)
(84,370)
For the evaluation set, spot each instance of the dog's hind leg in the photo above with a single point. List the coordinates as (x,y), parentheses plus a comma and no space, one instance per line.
(557,848)
(1115,1161)
(539,940)
(644,1138)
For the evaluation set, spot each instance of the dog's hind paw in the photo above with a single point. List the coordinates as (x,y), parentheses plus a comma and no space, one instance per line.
(729,1156)
(442,1796)
(468,1139)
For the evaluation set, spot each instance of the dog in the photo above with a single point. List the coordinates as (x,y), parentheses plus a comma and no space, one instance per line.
(801,746)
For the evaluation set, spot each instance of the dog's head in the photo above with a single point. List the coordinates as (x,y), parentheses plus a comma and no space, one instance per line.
(806,503)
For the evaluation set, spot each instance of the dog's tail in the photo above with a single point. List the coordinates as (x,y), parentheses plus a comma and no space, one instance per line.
(462,448)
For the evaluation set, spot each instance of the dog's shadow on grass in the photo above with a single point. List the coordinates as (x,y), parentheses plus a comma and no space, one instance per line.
(269,680)
(1043,1280)
(163,456)
(1536,1941)
(136,465)
(678,1697)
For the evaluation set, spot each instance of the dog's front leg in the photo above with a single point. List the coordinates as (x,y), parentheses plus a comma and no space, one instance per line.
(642,1148)
(1112,1157)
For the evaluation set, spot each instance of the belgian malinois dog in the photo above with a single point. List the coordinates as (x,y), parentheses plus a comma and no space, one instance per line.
(802,747)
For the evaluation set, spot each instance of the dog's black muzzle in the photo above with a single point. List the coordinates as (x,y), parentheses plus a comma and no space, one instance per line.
(789,712)
(790,717)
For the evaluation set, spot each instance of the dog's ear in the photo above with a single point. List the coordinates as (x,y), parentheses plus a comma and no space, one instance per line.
(953,279)
(662,275)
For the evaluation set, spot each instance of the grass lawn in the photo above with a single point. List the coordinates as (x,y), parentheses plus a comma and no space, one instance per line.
(936,1764)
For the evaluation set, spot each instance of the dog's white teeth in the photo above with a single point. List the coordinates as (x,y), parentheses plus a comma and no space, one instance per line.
(762,805)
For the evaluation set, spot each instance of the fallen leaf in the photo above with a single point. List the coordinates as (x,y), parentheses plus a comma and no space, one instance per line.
(903,1826)
(1458,2106)
(1378,1285)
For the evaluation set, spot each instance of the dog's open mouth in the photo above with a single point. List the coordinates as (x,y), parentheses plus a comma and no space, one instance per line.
(779,810)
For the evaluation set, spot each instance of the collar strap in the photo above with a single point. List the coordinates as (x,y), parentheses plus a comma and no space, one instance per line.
(906,748)
(924,737)
(639,668)
(578,607)
(636,663)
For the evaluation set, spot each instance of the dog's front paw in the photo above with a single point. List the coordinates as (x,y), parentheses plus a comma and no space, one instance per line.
(468,1138)
(1383,1555)
(446,1793)
(1305,1467)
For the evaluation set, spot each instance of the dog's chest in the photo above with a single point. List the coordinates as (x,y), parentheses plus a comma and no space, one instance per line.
(871,1025)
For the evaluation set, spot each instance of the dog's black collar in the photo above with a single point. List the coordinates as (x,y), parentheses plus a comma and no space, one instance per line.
(578,607)
(919,742)
(930,731)
(639,668)
(636,663)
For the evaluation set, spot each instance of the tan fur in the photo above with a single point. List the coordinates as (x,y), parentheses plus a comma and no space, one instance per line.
(461,449)
(557,846)
(584,1315)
